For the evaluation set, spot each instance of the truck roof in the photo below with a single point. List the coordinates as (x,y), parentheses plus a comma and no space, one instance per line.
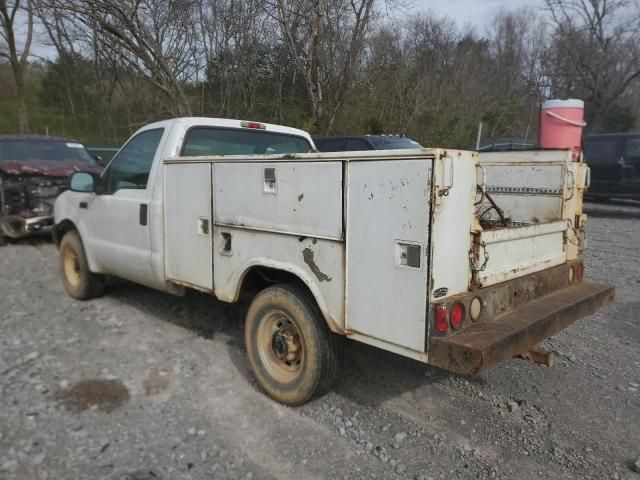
(189,122)
(365,155)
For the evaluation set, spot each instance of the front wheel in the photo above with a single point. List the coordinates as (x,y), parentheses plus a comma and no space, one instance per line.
(291,352)
(79,282)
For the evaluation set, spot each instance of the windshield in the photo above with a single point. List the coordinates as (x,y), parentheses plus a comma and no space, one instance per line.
(394,143)
(47,150)
(224,141)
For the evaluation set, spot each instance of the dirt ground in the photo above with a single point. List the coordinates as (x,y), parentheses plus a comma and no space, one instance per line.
(141,385)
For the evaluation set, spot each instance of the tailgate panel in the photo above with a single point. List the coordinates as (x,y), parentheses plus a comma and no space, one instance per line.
(509,253)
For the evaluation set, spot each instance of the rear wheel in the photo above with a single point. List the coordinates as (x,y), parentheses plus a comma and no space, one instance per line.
(79,282)
(291,352)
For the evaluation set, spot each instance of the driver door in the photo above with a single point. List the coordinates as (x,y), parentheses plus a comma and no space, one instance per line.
(118,216)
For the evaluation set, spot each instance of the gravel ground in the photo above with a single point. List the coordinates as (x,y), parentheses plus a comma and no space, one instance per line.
(141,385)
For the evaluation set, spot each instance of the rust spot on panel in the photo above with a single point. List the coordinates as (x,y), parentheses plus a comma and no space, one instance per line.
(477,265)
(307,255)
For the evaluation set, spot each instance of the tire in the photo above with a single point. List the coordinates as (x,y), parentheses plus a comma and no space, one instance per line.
(291,352)
(79,282)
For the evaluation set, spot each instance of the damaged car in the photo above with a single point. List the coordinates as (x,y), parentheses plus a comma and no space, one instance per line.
(34,170)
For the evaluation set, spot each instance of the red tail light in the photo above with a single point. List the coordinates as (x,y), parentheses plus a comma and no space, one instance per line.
(457,316)
(258,125)
(442,324)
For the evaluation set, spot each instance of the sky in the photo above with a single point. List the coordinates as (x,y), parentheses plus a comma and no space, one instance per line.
(477,13)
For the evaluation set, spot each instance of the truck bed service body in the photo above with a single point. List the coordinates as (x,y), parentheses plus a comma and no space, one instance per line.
(452,258)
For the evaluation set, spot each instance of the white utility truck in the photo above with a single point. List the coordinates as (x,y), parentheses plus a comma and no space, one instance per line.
(452,258)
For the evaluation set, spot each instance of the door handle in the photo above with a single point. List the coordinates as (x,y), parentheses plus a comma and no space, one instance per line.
(84,205)
(144,210)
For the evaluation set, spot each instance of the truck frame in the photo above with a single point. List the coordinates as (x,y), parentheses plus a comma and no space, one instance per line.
(452,258)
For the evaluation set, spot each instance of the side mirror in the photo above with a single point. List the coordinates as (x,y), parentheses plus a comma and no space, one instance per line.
(82,182)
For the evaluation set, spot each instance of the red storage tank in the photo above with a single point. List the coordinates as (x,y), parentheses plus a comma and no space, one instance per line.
(561,125)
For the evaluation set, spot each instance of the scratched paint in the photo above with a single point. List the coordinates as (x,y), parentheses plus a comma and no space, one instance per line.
(307,255)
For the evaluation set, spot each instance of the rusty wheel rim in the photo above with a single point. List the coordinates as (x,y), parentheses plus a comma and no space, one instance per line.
(71,266)
(280,346)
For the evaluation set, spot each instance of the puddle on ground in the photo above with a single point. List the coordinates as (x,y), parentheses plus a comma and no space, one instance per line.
(103,395)
(156,383)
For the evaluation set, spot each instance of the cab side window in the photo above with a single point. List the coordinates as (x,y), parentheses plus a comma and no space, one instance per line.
(131,167)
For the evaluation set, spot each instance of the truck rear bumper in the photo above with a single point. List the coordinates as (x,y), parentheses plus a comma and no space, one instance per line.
(486,343)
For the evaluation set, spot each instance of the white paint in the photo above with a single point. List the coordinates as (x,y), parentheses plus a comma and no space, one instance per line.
(189,253)
(534,190)
(453,217)
(347,239)
(517,251)
(282,252)
(306,200)
(388,204)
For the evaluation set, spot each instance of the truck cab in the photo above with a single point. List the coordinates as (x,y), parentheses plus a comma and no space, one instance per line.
(122,223)
(453,258)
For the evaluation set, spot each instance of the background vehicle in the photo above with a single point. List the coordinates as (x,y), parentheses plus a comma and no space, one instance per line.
(34,170)
(452,258)
(103,155)
(614,159)
(354,143)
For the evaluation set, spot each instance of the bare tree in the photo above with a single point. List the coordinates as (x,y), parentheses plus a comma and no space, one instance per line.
(9,12)
(326,40)
(153,38)
(595,53)
(238,39)
(516,44)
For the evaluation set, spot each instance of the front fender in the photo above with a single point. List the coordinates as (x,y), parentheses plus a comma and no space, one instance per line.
(68,215)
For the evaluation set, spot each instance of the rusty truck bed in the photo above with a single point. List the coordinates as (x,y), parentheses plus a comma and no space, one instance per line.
(486,343)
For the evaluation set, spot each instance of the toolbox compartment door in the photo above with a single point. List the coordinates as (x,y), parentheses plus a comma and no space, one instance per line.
(388,207)
(188,224)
